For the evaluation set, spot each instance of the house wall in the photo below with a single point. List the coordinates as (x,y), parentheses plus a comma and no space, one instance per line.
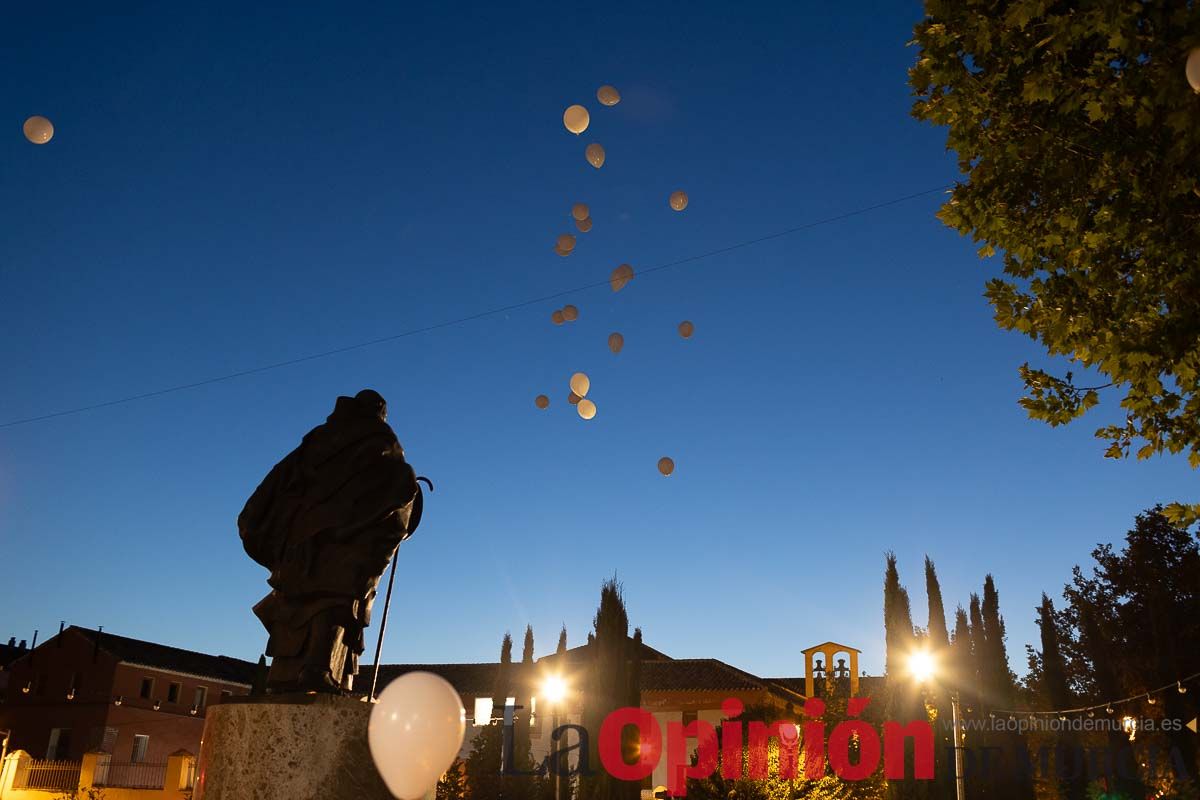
(48,671)
(93,713)
(172,727)
(180,768)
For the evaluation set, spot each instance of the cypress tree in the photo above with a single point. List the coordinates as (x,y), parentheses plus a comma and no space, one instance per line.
(607,690)
(897,622)
(939,638)
(938,642)
(527,649)
(504,685)
(998,690)
(1056,693)
(522,730)
(562,641)
(994,671)
(904,701)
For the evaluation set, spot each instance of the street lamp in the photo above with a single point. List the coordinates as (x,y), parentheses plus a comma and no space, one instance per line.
(554,689)
(922,665)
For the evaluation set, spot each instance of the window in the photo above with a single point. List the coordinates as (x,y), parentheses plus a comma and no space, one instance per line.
(173,692)
(140,744)
(109,740)
(147,688)
(201,697)
(483,711)
(60,744)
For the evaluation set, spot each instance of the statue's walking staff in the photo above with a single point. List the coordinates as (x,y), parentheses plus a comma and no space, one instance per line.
(413,521)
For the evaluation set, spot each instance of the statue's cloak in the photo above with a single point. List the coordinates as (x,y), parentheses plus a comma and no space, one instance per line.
(326,520)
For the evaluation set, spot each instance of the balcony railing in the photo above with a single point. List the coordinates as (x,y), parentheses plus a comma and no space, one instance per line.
(51,775)
(129,775)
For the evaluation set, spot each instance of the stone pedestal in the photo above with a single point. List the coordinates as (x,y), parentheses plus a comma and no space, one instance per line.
(288,747)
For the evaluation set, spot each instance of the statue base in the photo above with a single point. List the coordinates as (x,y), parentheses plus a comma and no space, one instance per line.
(288,747)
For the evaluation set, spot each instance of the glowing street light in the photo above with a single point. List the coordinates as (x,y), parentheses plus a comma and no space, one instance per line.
(554,689)
(922,666)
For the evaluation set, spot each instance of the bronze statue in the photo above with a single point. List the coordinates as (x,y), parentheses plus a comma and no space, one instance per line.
(326,520)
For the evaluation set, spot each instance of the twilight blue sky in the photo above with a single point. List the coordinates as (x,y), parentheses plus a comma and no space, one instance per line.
(234,185)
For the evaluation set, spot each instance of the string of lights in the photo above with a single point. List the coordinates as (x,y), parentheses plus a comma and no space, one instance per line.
(1109,706)
(470,317)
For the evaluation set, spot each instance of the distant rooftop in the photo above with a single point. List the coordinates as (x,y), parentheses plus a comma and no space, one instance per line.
(175,659)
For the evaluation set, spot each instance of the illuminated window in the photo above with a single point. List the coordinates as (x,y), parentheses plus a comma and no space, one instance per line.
(200,698)
(483,711)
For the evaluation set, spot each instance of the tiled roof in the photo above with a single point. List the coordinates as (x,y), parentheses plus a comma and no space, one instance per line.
(792,684)
(695,675)
(175,659)
(468,679)
(660,675)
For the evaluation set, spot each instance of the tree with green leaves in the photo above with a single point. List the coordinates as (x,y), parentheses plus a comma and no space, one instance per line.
(1137,614)
(453,783)
(1075,130)
(1055,693)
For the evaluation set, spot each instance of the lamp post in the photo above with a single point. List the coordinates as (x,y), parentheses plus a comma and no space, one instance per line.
(554,689)
(923,666)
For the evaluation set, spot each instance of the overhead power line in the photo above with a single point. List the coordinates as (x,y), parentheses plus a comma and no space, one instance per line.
(469,318)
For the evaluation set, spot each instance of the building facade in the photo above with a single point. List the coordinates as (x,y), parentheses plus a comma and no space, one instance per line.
(90,691)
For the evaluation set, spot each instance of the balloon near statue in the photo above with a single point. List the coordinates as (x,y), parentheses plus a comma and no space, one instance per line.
(415,731)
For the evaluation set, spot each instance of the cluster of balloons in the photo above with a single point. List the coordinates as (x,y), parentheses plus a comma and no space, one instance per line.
(576,119)
(415,731)
(38,130)
(567,313)
(582,216)
(580,384)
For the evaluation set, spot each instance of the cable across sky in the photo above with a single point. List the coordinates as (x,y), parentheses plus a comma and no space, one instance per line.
(470,317)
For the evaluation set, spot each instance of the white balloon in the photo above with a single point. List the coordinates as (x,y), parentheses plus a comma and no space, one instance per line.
(415,732)
(608,95)
(586,408)
(1193,69)
(575,119)
(580,384)
(594,153)
(38,130)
